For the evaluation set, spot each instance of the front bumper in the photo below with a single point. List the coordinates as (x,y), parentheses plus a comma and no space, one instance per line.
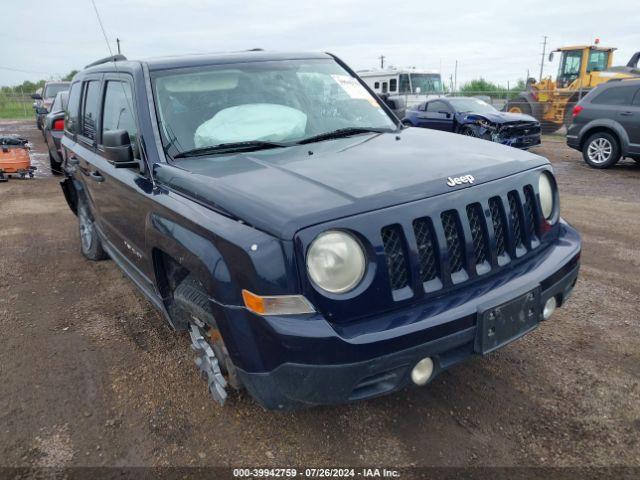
(288,363)
(524,142)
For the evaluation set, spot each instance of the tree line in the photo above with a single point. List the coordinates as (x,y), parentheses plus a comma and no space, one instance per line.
(28,87)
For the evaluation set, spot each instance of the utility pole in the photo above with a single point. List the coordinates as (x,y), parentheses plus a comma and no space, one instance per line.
(544,54)
(455,76)
(381,57)
(118,42)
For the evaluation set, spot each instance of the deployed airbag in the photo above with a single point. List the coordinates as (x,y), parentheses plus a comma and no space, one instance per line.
(255,121)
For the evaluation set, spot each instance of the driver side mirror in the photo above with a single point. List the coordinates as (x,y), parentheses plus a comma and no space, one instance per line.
(117,148)
(36,96)
(551,56)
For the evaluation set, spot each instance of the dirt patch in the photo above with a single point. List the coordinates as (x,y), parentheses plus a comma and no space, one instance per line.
(92,376)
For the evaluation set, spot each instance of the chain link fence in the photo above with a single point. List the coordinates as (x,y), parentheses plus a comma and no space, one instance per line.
(15,105)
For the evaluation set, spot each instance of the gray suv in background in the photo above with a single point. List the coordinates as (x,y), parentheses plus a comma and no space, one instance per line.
(606,124)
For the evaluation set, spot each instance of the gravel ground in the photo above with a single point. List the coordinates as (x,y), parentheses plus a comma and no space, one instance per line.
(91,376)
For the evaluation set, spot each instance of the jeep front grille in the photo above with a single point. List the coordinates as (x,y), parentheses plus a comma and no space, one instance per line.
(478,234)
(425,238)
(480,237)
(455,246)
(396,260)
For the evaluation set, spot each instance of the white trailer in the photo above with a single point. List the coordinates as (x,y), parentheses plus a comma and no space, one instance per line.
(409,83)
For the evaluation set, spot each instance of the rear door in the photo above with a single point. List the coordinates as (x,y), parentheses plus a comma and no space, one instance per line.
(120,193)
(84,150)
(629,118)
(617,103)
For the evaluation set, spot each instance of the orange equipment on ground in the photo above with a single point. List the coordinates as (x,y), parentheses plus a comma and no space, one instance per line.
(14,158)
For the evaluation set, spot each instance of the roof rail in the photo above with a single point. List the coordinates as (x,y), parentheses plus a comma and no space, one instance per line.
(114,58)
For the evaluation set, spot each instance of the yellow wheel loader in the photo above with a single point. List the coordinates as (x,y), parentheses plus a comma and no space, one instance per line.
(582,68)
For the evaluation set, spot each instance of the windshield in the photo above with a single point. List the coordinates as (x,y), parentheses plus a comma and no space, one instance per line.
(474,105)
(52,89)
(280,101)
(427,82)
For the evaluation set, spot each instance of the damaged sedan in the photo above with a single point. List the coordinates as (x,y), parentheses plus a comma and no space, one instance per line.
(475,118)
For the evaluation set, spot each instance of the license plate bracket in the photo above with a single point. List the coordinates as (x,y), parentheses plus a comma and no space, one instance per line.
(508,321)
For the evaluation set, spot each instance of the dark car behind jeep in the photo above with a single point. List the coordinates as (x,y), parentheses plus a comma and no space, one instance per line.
(53,130)
(606,124)
(315,251)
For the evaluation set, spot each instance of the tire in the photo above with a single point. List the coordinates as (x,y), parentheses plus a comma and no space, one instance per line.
(56,168)
(90,243)
(191,303)
(601,150)
(468,132)
(519,105)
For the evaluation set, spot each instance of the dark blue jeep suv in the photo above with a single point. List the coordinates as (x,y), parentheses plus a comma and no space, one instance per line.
(316,251)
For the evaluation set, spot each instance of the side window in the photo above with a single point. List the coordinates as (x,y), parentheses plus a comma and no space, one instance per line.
(71,112)
(376,85)
(404,83)
(90,108)
(393,85)
(437,107)
(117,114)
(384,87)
(615,96)
(597,61)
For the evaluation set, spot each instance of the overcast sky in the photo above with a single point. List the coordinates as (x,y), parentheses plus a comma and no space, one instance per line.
(498,40)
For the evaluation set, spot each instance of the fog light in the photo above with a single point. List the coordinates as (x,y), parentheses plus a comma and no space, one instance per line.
(549,308)
(422,371)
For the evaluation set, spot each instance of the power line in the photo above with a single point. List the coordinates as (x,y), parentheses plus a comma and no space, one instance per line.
(11,69)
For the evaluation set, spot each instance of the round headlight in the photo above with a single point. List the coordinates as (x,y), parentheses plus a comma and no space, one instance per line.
(336,261)
(547,196)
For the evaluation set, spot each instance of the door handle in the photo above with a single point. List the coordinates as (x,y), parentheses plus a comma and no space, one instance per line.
(626,114)
(96,177)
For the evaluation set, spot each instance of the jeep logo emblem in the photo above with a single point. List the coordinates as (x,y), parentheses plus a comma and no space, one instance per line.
(453,181)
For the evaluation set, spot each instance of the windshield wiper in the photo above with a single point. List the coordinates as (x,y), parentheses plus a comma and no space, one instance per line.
(342,132)
(248,146)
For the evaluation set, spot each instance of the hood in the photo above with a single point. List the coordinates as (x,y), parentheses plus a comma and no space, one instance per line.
(283,190)
(503,117)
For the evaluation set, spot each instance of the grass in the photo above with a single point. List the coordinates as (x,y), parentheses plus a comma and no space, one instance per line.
(15,111)
(15,108)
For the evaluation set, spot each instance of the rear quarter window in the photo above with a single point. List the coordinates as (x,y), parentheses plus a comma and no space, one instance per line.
(71,112)
(615,96)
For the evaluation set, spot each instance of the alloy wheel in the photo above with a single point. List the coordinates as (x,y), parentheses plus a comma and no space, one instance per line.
(599,151)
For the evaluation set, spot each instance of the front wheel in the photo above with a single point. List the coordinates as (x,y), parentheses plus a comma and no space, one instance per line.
(90,243)
(519,105)
(468,132)
(601,150)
